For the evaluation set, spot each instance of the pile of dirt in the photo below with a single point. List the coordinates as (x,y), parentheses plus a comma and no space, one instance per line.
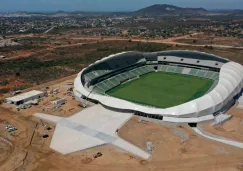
(86,161)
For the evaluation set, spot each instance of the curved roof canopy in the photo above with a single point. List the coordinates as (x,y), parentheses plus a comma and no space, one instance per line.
(229,85)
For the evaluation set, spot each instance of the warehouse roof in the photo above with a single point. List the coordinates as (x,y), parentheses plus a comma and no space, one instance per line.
(24,96)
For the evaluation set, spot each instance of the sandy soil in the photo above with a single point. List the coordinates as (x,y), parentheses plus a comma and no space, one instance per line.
(210,40)
(188,149)
(232,129)
(20,139)
(59,43)
(175,148)
(45,106)
(41,87)
(170,41)
(5,151)
(236,112)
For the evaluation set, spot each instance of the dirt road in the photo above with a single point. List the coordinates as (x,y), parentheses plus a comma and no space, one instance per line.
(20,139)
(170,41)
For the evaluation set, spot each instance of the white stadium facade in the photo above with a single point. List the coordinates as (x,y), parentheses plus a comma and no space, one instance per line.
(92,83)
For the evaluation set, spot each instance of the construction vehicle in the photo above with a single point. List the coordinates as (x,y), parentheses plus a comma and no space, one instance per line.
(82,105)
(11,128)
(97,155)
(47,127)
(70,89)
(55,91)
(45,135)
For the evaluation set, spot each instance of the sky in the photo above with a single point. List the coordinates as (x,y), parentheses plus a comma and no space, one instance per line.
(109,5)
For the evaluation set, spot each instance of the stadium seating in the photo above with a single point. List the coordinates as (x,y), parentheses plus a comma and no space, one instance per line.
(201,73)
(110,83)
(215,76)
(98,90)
(96,73)
(193,72)
(179,70)
(209,74)
(171,69)
(162,67)
(114,81)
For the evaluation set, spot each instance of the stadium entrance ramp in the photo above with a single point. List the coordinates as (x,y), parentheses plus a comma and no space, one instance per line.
(94,126)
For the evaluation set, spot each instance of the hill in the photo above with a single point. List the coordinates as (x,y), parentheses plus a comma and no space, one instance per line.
(169,10)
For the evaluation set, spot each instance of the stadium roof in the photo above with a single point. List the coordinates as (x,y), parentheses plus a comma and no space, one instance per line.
(229,85)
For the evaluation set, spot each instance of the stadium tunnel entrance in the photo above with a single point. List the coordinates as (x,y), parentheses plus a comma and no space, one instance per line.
(192,125)
(159,117)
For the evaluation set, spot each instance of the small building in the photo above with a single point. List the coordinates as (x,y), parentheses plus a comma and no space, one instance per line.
(59,102)
(25,97)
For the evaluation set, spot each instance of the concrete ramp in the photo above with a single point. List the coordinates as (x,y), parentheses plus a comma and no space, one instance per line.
(89,128)
(50,118)
(205,134)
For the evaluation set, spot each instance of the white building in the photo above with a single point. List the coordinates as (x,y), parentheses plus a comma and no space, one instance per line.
(25,97)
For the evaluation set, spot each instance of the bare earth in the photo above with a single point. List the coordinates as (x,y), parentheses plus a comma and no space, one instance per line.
(232,129)
(77,40)
(175,148)
(5,151)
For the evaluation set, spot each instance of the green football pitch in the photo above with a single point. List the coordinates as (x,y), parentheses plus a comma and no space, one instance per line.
(161,89)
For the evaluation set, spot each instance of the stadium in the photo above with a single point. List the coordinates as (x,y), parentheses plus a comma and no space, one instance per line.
(173,86)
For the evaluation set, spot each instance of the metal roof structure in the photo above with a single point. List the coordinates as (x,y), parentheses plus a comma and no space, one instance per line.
(24,96)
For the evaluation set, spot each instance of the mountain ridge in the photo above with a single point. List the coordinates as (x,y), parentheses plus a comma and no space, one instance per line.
(157,9)
(160,9)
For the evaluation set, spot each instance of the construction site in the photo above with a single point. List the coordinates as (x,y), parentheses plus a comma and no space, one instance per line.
(27,142)
(156,88)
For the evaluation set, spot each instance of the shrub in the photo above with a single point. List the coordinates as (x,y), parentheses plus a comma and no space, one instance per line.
(4,90)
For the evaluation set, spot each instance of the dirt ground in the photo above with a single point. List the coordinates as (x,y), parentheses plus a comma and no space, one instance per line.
(68,40)
(232,129)
(175,148)
(236,112)
(5,150)
(19,139)
(45,105)
(183,148)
